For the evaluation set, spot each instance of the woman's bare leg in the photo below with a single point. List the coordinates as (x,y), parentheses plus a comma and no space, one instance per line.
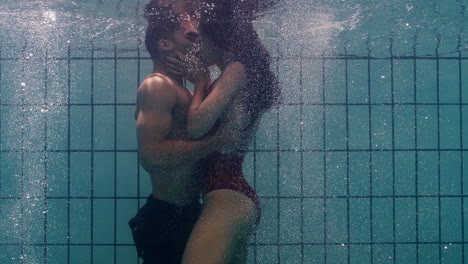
(224,226)
(241,252)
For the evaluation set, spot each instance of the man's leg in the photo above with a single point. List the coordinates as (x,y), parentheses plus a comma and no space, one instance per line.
(226,222)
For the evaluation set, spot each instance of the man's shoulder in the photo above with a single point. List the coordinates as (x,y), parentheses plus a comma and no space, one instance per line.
(157,85)
(156,88)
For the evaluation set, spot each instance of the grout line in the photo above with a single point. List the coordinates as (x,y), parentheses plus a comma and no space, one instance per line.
(278,250)
(115,153)
(68,156)
(23,97)
(325,241)
(1,117)
(439,231)
(301,146)
(285,58)
(253,151)
(263,196)
(370,153)
(348,236)
(92,152)
(416,153)
(392,85)
(462,170)
(45,211)
(389,243)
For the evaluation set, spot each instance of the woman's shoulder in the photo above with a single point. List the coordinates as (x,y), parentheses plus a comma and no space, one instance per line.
(235,67)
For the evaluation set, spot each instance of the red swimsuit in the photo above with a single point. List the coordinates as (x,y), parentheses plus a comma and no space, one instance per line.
(222,171)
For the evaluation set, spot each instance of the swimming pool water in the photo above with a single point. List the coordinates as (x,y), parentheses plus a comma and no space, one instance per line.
(364,162)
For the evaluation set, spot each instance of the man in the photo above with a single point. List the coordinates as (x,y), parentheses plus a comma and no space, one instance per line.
(162,226)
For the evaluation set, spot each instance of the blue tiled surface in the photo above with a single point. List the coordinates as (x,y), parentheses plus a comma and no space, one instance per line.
(349,169)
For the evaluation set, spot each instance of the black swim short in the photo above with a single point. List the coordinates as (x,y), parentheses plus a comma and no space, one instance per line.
(160,230)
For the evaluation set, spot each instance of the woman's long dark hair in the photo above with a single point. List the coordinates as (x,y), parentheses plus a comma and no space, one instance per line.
(233,31)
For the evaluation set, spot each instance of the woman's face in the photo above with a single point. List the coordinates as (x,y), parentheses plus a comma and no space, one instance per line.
(208,52)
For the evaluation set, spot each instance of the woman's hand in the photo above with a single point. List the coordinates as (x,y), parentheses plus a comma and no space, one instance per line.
(175,65)
(188,66)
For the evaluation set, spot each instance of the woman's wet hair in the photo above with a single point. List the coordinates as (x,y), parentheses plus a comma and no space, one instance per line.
(230,27)
(162,23)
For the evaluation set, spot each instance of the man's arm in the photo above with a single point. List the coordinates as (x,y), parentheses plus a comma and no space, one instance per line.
(156,101)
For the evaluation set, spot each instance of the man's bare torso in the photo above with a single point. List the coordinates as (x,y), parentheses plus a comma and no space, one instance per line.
(177,184)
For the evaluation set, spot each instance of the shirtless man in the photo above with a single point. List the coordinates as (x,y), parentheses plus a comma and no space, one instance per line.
(162,226)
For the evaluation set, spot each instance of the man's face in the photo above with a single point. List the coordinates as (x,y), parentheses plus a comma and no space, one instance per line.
(185,37)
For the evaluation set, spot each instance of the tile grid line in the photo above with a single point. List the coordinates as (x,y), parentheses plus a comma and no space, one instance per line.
(92,148)
(22,139)
(1,114)
(438,158)
(278,173)
(392,94)
(45,211)
(249,151)
(254,168)
(301,144)
(348,218)
(416,153)
(285,58)
(325,240)
(263,196)
(389,243)
(462,169)
(369,94)
(68,155)
(115,153)
(288,104)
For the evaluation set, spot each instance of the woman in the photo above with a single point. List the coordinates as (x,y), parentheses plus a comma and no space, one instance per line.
(234,102)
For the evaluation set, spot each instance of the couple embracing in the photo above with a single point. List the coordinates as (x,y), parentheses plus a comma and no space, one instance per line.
(194,144)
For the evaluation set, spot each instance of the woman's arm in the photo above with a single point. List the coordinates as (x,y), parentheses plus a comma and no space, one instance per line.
(205,109)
